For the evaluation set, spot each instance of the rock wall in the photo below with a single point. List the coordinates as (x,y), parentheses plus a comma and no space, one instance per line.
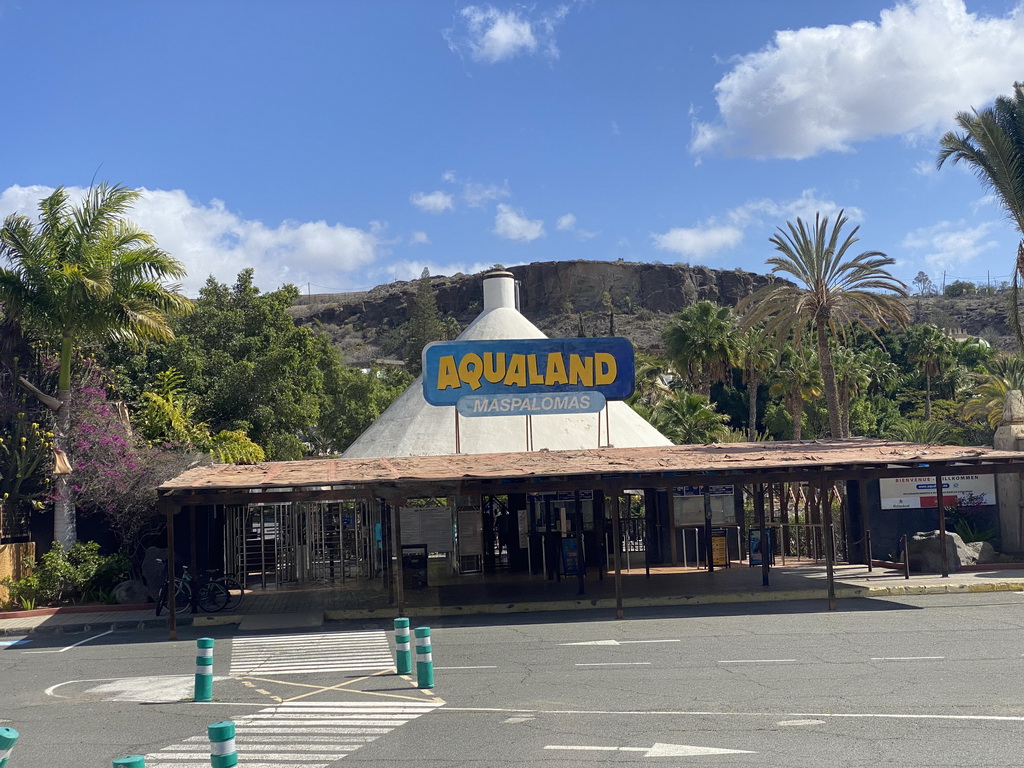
(557,296)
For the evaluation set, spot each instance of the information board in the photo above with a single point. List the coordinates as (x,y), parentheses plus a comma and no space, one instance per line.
(919,492)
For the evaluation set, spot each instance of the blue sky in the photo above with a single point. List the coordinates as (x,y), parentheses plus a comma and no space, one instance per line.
(338,145)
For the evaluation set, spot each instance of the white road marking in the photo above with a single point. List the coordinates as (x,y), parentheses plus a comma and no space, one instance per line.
(80,642)
(629,642)
(152,689)
(708,713)
(492,667)
(660,750)
(800,722)
(905,658)
(310,653)
(755,661)
(622,642)
(617,664)
(306,734)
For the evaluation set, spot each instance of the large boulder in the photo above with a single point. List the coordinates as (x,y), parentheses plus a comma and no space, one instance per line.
(981,553)
(925,551)
(131,592)
(153,572)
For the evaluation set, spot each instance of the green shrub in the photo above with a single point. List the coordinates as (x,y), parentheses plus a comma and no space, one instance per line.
(81,573)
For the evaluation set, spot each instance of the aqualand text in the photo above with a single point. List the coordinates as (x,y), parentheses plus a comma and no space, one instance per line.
(523,370)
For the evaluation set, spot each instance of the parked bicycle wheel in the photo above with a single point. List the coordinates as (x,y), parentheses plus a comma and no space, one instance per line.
(182,596)
(213,596)
(161,598)
(235,592)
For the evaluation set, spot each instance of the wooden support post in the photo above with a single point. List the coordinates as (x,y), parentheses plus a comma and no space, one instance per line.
(829,570)
(169,508)
(941,509)
(708,554)
(581,560)
(617,535)
(766,550)
(395,510)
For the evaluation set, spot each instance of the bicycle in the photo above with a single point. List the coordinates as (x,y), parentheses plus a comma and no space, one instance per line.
(210,595)
(181,594)
(235,591)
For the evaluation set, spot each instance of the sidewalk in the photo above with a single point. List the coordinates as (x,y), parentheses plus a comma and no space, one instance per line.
(497,594)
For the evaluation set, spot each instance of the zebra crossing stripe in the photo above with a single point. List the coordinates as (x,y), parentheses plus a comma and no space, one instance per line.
(307,653)
(298,733)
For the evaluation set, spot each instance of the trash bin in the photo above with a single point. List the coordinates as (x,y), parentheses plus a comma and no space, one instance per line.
(414,566)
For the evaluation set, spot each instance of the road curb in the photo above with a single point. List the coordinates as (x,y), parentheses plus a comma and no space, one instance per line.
(678,600)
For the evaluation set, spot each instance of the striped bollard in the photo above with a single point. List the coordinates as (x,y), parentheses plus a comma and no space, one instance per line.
(7,738)
(204,669)
(424,659)
(403,648)
(132,761)
(222,744)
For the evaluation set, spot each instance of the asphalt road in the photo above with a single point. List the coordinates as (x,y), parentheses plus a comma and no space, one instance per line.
(917,681)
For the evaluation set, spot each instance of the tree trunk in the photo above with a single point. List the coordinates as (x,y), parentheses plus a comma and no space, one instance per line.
(752,407)
(828,375)
(927,396)
(844,405)
(64,526)
(796,414)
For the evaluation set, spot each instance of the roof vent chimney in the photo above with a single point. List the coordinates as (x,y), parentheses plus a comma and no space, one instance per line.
(499,290)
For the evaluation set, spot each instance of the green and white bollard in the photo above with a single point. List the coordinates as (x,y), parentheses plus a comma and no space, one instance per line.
(132,761)
(204,669)
(403,649)
(7,738)
(424,659)
(222,744)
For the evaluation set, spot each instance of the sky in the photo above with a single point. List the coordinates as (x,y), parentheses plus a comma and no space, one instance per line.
(340,145)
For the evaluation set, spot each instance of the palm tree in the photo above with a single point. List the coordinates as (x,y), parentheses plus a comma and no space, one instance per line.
(689,418)
(926,432)
(851,378)
(702,342)
(883,373)
(991,388)
(757,356)
(653,377)
(834,290)
(796,380)
(991,142)
(931,351)
(85,272)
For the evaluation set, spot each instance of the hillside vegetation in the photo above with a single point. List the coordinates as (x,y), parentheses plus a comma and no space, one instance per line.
(594,298)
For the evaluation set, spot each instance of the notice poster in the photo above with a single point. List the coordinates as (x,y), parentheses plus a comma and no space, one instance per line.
(919,492)
(572,564)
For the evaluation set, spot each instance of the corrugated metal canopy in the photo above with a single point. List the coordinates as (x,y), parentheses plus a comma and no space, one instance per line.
(407,477)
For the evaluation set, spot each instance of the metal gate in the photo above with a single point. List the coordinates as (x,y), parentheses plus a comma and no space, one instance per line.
(300,543)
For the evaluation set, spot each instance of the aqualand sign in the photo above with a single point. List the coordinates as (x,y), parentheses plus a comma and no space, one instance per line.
(513,377)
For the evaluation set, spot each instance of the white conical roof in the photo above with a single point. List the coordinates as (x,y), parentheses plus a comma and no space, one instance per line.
(413,427)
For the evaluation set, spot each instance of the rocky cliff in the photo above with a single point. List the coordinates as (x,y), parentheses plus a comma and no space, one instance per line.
(562,298)
(596,298)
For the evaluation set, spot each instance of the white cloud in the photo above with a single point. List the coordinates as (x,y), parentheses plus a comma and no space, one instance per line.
(720,233)
(698,242)
(567,223)
(478,195)
(950,245)
(490,35)
(513,225)
(820,89)
(211,240)
(433,202)
(419,238)
(411,270)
